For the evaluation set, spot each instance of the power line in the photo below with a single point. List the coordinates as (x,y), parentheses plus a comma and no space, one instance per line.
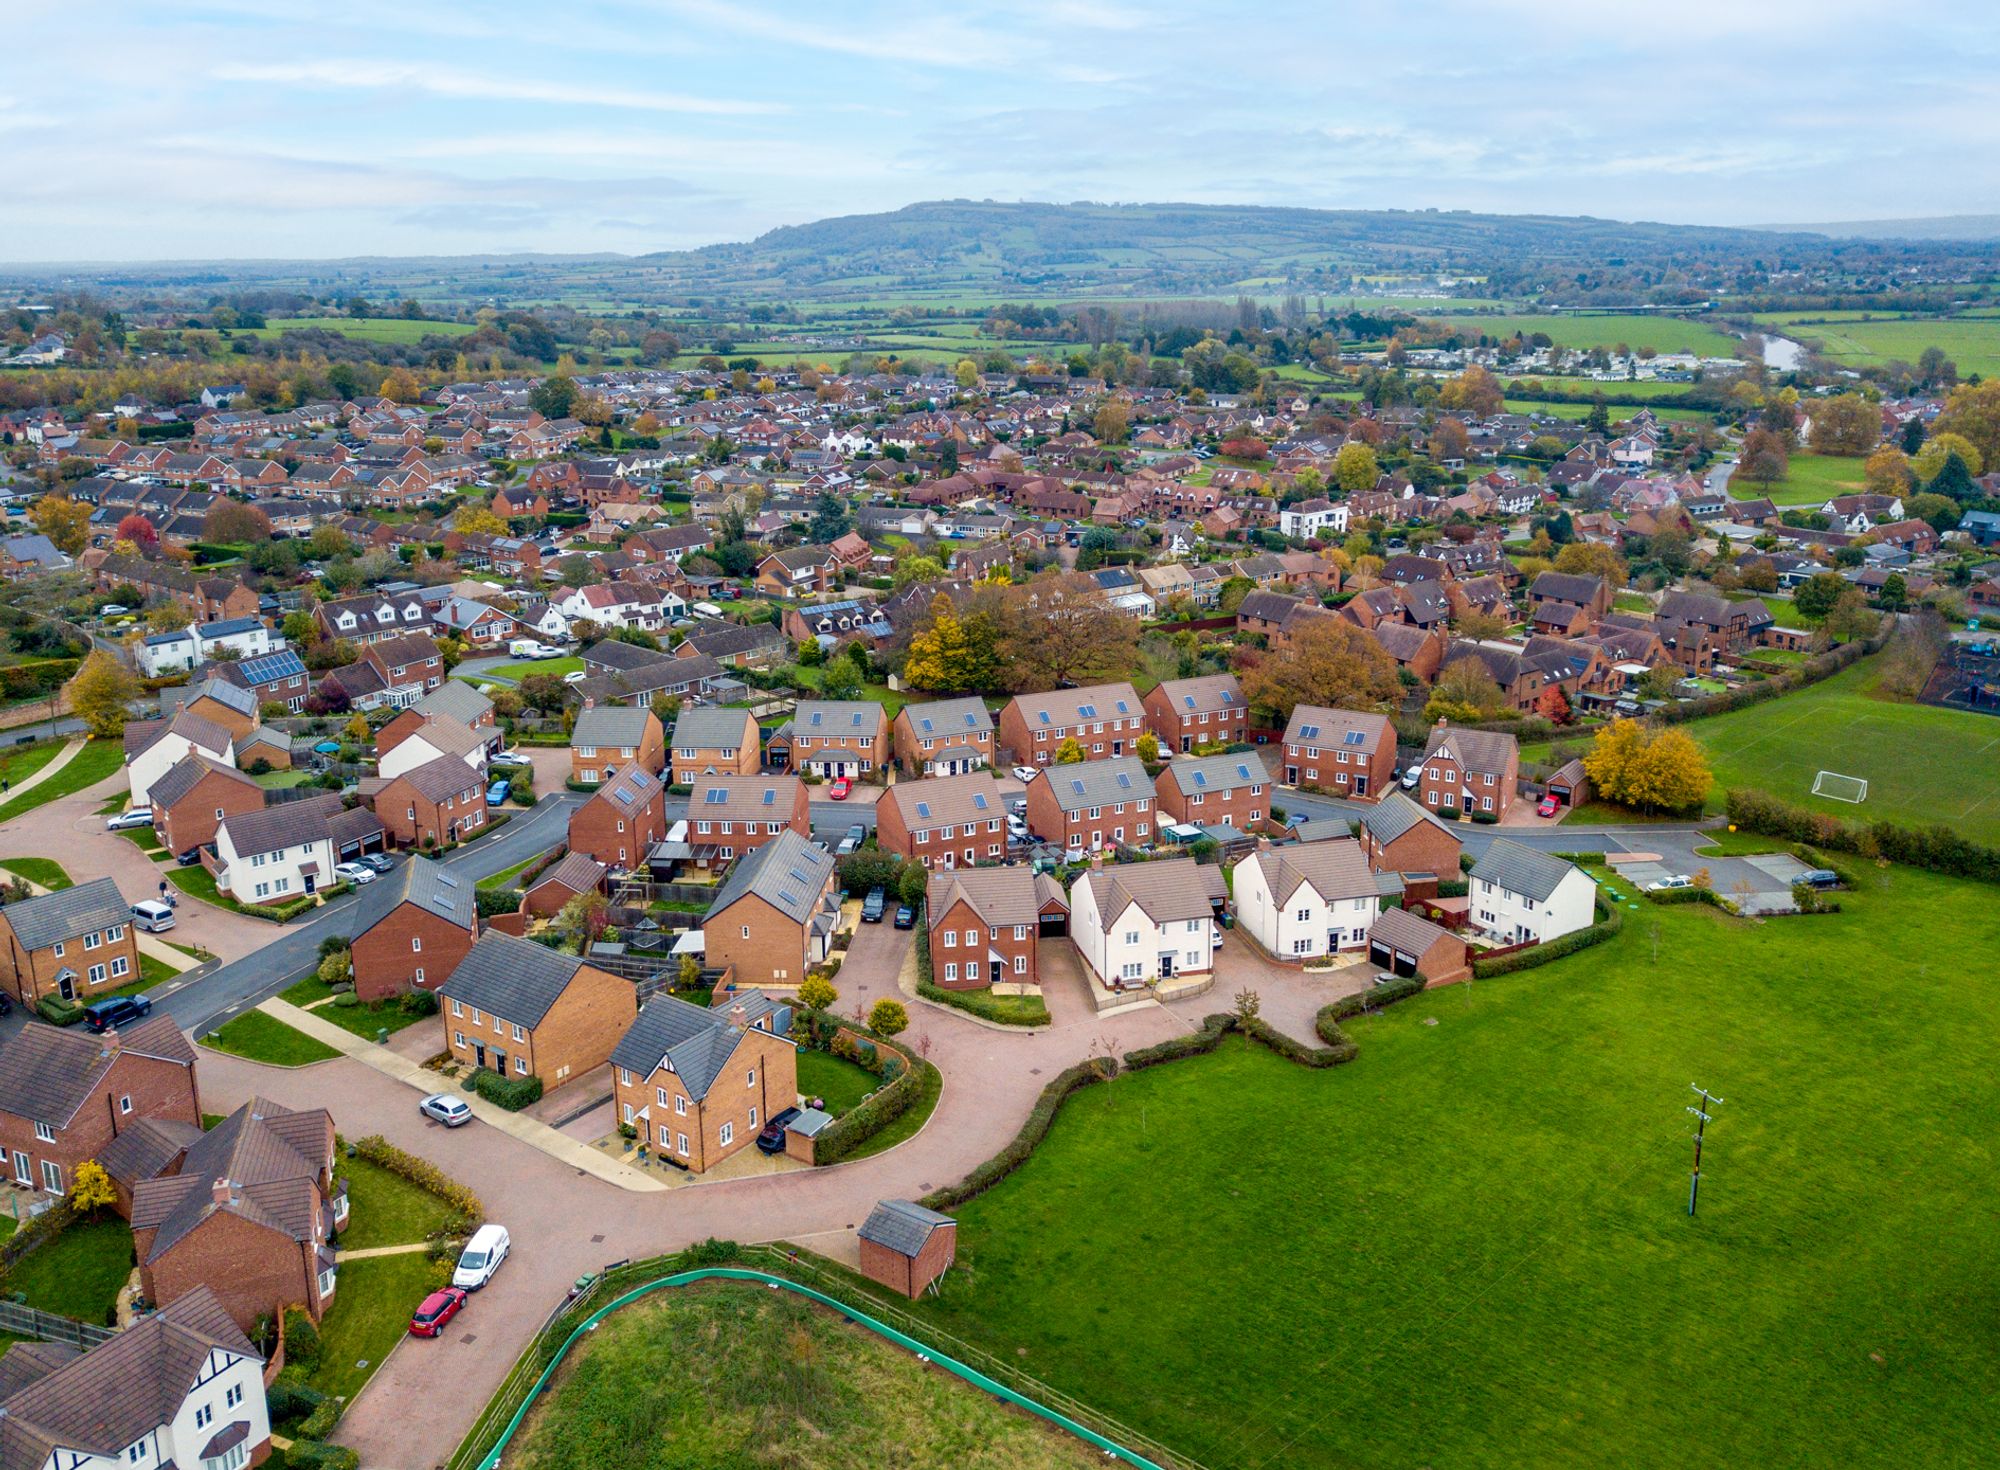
(1708,1100)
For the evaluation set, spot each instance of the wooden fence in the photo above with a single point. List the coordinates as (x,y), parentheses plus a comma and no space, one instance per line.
(25,1321)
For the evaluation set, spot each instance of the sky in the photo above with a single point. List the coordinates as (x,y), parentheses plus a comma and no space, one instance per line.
(210,129)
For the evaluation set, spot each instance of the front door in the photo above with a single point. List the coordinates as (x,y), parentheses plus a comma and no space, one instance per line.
(1360,785)
(999,971)
(1291,775)
(1333,941)
(311,882)
(1187,744)
(479,1053)
(500,1062)
(1118,747)
(1166,967)
(66,987)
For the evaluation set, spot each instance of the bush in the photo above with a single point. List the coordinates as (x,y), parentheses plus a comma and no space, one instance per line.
(493,901)
(1691,895)
(289,1402)
(888,1017)
(57,1011)
(418,1002)
(1453,888)
(424,1174)
(881,1107)
(302,1345)
(981,1003)
(1484,819)
(511,1093)
(319,1424)
(1939,849)
(1609,922)
(307,1454)
(347,999)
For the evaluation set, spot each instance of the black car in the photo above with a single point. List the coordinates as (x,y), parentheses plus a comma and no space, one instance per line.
(906,917)
(102,1015)
(772,1138)
(872,906)
(1819,878)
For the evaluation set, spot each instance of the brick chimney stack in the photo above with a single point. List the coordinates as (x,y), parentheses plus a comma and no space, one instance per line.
(223,1192)
(112,1045)
(739,1017)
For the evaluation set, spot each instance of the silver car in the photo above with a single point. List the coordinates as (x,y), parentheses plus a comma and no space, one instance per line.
(445,1109)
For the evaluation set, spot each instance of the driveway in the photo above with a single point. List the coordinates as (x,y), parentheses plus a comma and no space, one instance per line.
(1761,884)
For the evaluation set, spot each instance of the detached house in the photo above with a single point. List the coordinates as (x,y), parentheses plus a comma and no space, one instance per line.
(194,796)
(67,1096)
(1520,895)
(441,801)
(153,747)
(1399,836)
(983,925)
(1314,898)
(698,1085)
(620,823)
(774,916)
(523,1010)
(1139,922)
(1470,771)
(76,943)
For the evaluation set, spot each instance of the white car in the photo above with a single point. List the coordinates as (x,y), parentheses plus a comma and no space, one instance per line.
(446,1109)
(482,1257)
(575,678)
(1668,884)
(1412,778)
(138,816)
(356,873)
(1017,829)
(1026,773)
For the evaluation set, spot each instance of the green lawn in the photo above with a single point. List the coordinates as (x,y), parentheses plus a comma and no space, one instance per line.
(363,329)
(97,760)
(1923,765)
(45,871)
(264,1038)
(1974,344)
(1662,333)
(506,876)
(79,1273)
(24,760)
(891,700)
(363,1020)
(738,1375)
(385,1208)
(839,1081)
(372,1302)
(282,780)
(1470,1247)
(520,671)
(1812,480)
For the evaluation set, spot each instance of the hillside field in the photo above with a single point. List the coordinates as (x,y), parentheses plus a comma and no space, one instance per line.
(1471,1246)
(1661,333)
(366,329)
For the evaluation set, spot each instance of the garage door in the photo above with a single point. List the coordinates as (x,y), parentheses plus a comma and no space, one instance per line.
(1384,957)
(1054,924)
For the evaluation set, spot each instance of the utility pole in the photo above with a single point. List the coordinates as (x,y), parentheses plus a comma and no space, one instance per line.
(1708,1100)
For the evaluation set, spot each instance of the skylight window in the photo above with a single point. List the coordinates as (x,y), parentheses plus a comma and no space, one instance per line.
(716,796)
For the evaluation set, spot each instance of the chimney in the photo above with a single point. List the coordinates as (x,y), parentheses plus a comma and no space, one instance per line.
(1440,723)
(223,1192)
(739,1017)
(112,1045)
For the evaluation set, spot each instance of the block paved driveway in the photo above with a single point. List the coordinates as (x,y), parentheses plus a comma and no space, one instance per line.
(565,1223)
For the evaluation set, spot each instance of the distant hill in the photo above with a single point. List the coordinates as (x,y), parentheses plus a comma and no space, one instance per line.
(1168,249)
(1934,227)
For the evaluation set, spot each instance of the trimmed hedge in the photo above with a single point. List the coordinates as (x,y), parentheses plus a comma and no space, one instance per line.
(511,1093)
(1692,895)
(302,1344)
(308,1454)
(57,1011)
(895,1097)
(1041,1117)
(319,1423)
(980,1003)
(1939,848)
(494,901)
(1609,922)
(422,1173)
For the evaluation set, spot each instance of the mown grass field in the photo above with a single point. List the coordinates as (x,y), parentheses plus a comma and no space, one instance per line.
(1471,1246)
(739,1375)
(1661,333)
(365,329)
(1972,343)
(1923,765)
(1810,480)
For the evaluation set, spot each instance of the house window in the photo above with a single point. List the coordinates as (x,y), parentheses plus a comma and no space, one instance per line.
(92,941)
(683,1140)
(204,1416)
(681,1110)
(51,1177)
(728,1135)
(115,933)
(951,972)
(59,951)
(519,1034)
(753,1117)
(125,1103)
(234,1397)
(458,1038)
(750,1078)
(119,966)
(520,1066)
(624,1078)
(1020,964)
(45,1133)
(457,1009)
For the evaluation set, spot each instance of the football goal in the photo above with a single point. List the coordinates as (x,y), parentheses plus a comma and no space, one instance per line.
(1836,787)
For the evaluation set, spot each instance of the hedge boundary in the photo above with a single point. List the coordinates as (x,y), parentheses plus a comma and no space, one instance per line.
(1938,849)
(424,1174)
(842,1137)
(1609,922)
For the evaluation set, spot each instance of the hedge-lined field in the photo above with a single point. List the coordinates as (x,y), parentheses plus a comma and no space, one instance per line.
(1470,1245)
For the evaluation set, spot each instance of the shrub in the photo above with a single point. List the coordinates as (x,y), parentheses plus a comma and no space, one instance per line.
(418,1003)
(288,1402)
(511,1093)
(347,999)
(1609,922)
(981,1003)
(307,1454)
(422,1173)
(302,1345)
(817,994)
(494,901)
(883,1106)
(888,1017)
(1484,819)
(319,1423)
(1940,848)
(59,1012)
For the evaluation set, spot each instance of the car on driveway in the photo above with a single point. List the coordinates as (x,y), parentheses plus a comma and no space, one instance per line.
(771,1139)
(851,842)
(872,906)
(451,1111)
(1669,883)
(906,917)
(497,792)
(1819,878)
(139,816)
(117,1010)
(381,862)
(1547,807)
(840,787)
(1412,777)
(1025,773)
(356,873)
(438,1308)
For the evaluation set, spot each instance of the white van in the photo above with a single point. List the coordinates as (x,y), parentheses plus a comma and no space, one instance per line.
(481,1258)
(152,915)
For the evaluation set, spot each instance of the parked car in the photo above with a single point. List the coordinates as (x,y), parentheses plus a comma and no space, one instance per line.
(152,915)
(872,906)
(113,610)
(189,858)
(355,873)
(771,1138)
(446,1109)
(1548,806)
(1025,773)
(138,816)
(508,758)
(906,917)
(1017,830)
(851,842)
(577,677)
(1412,777)
(1669,883)
(117,1010)
(482,1257)
(497,792)
(437,1309)
(1820,878)
(381,862)
(840,787)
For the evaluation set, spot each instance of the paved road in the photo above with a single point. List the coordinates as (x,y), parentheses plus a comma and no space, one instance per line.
(1568,837)
(212,996)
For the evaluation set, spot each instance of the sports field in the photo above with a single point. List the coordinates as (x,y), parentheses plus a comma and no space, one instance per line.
(1923,765)
(1471,1248)
(1661,333)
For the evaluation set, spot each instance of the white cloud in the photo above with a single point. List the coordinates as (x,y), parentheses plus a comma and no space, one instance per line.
(370,75)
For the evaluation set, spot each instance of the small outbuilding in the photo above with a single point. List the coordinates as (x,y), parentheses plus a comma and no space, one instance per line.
(1569,785)
(1404,944)
(907,1247)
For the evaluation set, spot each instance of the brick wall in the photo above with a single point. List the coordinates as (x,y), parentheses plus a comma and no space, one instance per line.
(254,1270)
(407,948)
(191,821)
(164,1091)
(960,920)
(772,951)
(761,1075)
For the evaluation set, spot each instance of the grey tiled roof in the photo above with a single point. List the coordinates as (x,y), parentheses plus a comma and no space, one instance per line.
(788,872)
(1396,814)
(851,718)
(696,1042)
(703,728)
(428,885)
(902,1225)
(1484,751)
(456,699)
(1521,869)
(514,979)
(51,918)
(1099,783)
(1164,891)
(1217,773)
(944,718)
(611,726)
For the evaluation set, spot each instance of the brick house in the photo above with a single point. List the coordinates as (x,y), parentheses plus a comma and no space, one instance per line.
(409,664)
(522,1010)
(1105,719)
(195,796)
(1404,944)
(983,924)
(946,737)
(715,742)
(699,1084)
(1346,752)
(430,926)
(622,820)
(730,815)
(1213,790)
(799,571)
(67,1096)
(1184,713)
(439,736)
(1566,603)
(944,821)
(1093,805)
(906,1247)
(76,943)
(1472,770)
(440,801)
(562,881)
(249,1213)
(1399,836)
(775,915)
(607,737)
(839,737)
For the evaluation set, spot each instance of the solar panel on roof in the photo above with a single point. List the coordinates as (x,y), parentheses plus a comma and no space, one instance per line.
(1229,696)
(1043,715)
(815,719)
(970,719)
(447,880)
(785,895)
(801,877)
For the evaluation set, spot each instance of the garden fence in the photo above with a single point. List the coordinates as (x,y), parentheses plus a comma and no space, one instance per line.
(25,1321)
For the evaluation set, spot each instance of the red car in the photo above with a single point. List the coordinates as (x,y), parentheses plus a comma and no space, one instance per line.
(840,787)
(438,1308)
(1549,807)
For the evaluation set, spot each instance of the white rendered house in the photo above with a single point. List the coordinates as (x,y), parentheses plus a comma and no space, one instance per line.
(1316,898)
(1135,922)
(1521,896)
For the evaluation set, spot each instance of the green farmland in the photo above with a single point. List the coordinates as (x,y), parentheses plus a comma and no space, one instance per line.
(1661,333)
(1971,342)
(1471,1246)
(366,329)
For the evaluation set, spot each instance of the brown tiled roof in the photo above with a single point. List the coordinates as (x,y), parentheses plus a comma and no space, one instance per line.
(286,825)
(1333,870)
(441,778)
(1166,891)
(47,1073)
(938,801)
(746,798)
(1000,896)
(578,871)
(1477,750)
(270,1155)
(181,777)
(146,1147)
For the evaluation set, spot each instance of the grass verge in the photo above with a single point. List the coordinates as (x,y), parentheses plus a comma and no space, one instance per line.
(45,871)
(98,760)
(261,1038)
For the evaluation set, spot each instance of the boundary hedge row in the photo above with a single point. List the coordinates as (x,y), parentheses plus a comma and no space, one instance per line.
(1938,849)
(1820,666)
(424,1174)
(895,1097)
(1609,922)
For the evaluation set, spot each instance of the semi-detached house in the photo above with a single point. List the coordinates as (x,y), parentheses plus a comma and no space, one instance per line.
(839,737)
(522,1010)
(696,1084)
(76,943)
(67,1096)
(1214,791)
(1089,806)
(1186,713)
(947,737)
(944,821)
(1347,752)
(731,815)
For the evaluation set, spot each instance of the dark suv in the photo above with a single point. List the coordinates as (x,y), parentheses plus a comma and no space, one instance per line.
(873,904)
(772,1139)
(102,1015)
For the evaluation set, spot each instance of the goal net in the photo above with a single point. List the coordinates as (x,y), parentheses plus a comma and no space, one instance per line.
(1836,787)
